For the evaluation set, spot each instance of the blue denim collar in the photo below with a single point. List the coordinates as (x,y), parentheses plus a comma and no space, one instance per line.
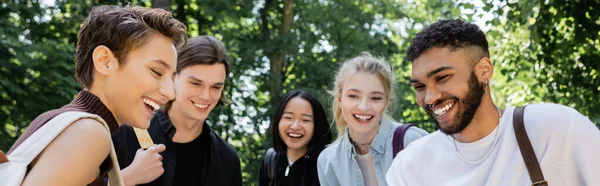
(378,143)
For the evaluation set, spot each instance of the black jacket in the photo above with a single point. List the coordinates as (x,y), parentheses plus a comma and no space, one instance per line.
(303,172)
(222,169)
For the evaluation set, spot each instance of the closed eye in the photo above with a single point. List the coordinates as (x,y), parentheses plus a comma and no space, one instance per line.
(156,72)
(376,98)
(443,78)
(419,87)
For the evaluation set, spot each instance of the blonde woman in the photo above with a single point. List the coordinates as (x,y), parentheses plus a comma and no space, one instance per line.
(362,153)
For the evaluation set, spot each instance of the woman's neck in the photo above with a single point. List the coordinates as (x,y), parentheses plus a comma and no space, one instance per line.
(295,154)
(362,140)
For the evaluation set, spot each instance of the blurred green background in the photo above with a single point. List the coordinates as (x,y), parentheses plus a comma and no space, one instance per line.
(543,51)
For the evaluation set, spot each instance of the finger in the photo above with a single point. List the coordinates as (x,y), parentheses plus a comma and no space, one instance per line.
(158,148)
(139,151)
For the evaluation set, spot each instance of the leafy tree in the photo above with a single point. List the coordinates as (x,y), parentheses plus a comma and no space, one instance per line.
(550,52)
(542,51)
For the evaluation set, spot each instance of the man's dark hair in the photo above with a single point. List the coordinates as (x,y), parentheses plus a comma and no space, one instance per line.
(321,134)
(203,50)
(121,29)
(453,34)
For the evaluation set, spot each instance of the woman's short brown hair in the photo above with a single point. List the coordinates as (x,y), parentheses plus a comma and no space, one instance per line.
(121,29)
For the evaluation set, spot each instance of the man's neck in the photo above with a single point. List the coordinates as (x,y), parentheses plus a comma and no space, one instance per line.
(484,122)
(186,129)
(295,154)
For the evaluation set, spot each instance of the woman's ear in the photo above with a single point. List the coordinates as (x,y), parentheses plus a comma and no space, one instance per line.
(104,60)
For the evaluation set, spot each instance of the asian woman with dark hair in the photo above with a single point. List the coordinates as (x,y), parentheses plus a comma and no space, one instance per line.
(300,132)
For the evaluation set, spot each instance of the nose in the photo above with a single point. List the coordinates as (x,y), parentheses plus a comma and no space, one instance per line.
(205,93)
(167,90)
(432,96)
(362,105)
(295,124)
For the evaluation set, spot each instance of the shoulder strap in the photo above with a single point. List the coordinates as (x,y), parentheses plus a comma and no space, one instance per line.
(40,139)
(398,139)
(3,157)
(37,142)
(270,160)
(533,167)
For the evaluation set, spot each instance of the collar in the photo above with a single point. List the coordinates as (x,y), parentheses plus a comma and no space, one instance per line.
(379,142)
(89,102)
(169,130)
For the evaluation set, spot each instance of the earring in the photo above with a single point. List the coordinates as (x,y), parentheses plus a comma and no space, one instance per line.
(486,82)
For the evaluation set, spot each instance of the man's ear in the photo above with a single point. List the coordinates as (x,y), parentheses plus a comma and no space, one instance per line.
(484,69)
(176,78)
(104,60)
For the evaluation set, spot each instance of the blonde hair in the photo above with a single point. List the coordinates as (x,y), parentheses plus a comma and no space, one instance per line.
(362,63)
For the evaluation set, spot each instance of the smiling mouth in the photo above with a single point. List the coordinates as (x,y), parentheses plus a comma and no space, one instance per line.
(200,105)
(361,117)
(295,135)
(443,110)
(151,104)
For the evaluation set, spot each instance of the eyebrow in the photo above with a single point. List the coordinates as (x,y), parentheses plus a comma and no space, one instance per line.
(163,63)
(287,112)
(199,80)
(374,92)
(438,70)
(432,73)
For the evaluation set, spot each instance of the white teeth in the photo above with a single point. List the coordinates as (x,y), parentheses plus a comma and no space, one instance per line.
(200,106)
(151,103)
(443,110)
(362,117)
(294,135)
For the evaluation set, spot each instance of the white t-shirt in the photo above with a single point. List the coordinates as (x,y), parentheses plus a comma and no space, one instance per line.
(566,143)
(365,162)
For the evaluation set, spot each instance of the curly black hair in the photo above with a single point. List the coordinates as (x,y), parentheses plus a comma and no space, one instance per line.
(452,33)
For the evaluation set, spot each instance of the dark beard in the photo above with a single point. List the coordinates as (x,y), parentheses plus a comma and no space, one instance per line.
(469,104)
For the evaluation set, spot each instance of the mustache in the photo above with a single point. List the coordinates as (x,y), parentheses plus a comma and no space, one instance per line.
(441,100)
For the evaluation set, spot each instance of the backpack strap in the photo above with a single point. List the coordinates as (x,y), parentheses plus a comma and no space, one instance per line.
(531,162)
(40,139)
(398,139)
(270,164)
(3,157)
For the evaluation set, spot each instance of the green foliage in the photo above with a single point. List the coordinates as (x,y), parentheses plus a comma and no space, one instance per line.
(553,54)
(36,57)
(543,52)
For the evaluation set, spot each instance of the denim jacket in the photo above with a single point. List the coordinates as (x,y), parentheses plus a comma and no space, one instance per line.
(337,164)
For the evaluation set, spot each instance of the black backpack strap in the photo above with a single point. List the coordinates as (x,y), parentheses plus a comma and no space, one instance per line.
(531,162)
(398,139)
(270,163)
